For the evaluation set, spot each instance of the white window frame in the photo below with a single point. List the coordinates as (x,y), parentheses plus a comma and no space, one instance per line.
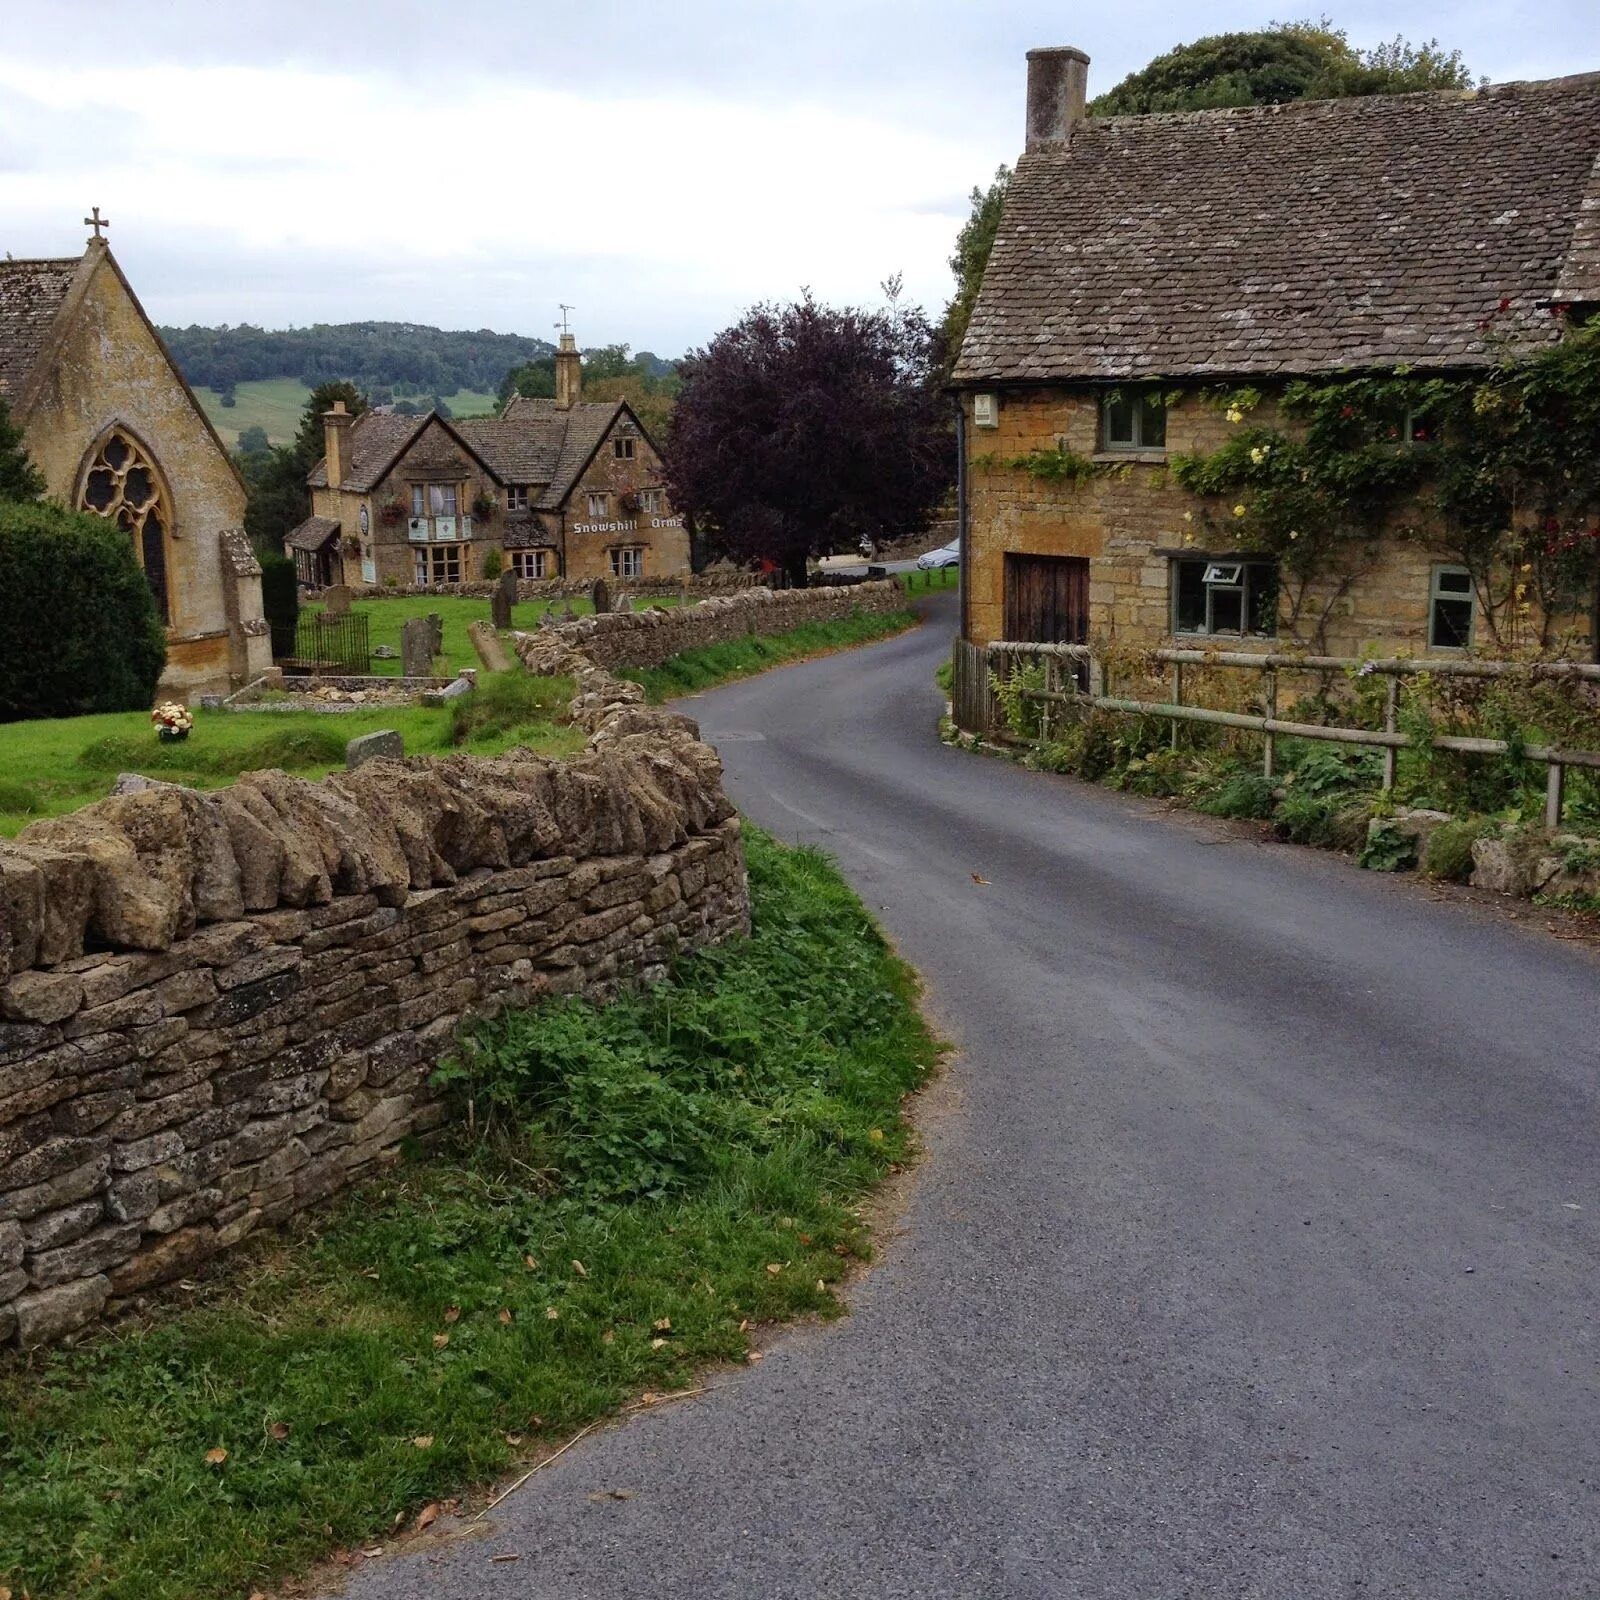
(1464,594)
(1136,400)
(627,561)
(653,502)
(1226,576)
(516,497)
(531,563)
(599,507)
(434,562)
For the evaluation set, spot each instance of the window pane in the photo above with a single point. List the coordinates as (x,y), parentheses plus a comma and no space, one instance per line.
(1453,580)
(1152,422)
(1227,610)
(419,506)
(1191,602)
(1262,582)
(1119,420)
(1452,625)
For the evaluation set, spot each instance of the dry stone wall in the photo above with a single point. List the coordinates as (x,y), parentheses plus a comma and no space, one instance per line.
(218,1009)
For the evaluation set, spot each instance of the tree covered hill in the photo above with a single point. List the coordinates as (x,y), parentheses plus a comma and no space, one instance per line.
(401,358)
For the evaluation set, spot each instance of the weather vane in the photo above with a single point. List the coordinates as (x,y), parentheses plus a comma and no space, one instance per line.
(563,324)
(97,222)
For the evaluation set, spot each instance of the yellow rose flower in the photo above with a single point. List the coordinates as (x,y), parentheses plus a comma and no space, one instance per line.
(1238,511)
(1234,414)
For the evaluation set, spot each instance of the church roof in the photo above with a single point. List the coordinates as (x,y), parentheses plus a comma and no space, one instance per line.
(1299,238)
(311,534)
(32,293)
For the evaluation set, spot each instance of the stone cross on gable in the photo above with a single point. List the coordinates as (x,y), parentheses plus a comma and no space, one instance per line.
(96,221)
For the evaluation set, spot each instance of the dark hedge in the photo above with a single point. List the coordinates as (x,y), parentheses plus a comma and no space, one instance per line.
(79,630)
(280,601)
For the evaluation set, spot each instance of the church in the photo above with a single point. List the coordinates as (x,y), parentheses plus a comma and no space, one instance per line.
(116,432)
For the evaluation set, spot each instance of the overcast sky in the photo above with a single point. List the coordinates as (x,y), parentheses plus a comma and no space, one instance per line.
(661,167)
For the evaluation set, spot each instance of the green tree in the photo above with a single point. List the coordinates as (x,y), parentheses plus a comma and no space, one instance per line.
(79,631)
(971,256)
(19,478)
(278,497)
(254,442)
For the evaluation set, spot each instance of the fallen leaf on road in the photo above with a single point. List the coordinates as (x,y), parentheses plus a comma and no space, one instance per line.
(510,1555)
(656,1344)
(513,1439)
(754,1355)
(215,1458)
(610,1494)
(775,1267)
(979,878)
(427,1516)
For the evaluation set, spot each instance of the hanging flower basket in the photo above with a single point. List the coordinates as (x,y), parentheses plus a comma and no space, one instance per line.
(390,512)
(484,505)
(172,722)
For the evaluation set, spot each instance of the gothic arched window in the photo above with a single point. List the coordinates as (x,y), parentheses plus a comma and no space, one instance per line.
(123,486)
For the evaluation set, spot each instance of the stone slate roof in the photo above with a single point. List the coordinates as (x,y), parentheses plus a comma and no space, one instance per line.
(311,534)
(376,439)
(536,443)
(1309,237)
(31,294)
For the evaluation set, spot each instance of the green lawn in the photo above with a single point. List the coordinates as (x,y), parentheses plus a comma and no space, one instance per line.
(456,612)
(56,766)
(657,1180)
(277,404)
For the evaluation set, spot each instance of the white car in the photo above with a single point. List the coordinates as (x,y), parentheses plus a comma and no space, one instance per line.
(947,555)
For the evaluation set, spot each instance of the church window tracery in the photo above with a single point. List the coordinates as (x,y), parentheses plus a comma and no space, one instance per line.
(123,486)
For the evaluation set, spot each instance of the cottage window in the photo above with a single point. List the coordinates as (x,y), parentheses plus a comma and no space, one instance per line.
(419,499)
(439,564)
(599,507)
(622,449)
(653,502)
(516,497)
(1407,425)
(628,562)
(1133,420)
(1235,597)
(531,563)
(1450,609)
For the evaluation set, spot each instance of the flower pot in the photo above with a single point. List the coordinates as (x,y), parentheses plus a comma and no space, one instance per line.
(172,735)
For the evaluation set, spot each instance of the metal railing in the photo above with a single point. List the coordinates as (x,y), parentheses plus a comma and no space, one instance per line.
(332,646)
(1077,680)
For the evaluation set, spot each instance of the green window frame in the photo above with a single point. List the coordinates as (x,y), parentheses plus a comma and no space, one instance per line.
(1452,608)
(1133,419)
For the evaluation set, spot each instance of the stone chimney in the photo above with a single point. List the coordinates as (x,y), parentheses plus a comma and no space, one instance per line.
(1058,88)
(336,426)
(569,373)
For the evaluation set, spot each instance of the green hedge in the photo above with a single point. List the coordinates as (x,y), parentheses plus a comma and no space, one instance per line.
(280,601)
(79,630)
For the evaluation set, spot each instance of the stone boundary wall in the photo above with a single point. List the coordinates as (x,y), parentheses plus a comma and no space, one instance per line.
(647,638)
(702,584)
(217,1009)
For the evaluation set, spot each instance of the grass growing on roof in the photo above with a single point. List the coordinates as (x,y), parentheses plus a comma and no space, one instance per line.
(699,1148)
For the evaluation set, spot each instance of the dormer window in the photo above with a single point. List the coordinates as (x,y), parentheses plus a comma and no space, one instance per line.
(516,497)
(1133,419)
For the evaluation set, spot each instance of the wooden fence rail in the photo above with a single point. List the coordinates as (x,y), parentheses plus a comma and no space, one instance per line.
(1077,680)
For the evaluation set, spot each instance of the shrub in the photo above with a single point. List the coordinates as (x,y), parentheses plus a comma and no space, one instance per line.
(1240,794)
(1333,821)
(1448,853)
(280,601)
(79,630)
(494,563)
(1387,849)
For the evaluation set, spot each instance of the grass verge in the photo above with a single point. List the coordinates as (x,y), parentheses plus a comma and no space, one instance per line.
(694,670)
(657,1179)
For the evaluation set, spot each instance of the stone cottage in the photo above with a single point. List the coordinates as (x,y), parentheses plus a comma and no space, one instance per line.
(110,422)
(1143,261)
(560,488)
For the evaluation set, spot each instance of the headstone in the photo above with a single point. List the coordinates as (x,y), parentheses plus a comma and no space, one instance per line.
(454,690)
(503,599)
(436,632)
(384,744)
(336,600)
(601,595)
(568,614)
(491,652)
(416,648)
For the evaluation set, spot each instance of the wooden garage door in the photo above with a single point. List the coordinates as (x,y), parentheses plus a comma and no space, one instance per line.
(1047,598)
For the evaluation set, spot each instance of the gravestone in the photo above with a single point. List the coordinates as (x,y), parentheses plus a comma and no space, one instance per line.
(491,652)
(436,632)
(336,600)
(568,614)
(601,596)
(385,743)
(502,600)
(416,648)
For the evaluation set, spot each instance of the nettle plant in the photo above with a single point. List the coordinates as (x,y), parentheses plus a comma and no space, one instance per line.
(1499,473)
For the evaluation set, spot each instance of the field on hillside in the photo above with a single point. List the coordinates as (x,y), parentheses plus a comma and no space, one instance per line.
(277,405)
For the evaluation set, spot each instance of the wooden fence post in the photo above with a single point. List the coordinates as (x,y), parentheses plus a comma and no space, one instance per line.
(1177,699)
(1391,718)
(1269,757)
(1555,782)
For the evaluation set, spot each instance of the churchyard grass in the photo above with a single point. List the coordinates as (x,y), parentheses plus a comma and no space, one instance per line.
(57,765)
(694,670)
(652,1183)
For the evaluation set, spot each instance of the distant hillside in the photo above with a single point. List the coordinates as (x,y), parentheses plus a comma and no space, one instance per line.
(390,360)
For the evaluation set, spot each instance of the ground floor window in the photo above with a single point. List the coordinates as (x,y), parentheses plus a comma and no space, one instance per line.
(1227,596)
(628,562)
(439,564)
(533,563)
(1450,609)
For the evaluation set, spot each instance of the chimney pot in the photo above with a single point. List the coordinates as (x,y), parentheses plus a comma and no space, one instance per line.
(336,425)
(569,373)
(1058,90)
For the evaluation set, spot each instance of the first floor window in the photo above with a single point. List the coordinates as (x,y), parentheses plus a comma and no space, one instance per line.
(419,499)
(627,562)
(653,502)
(517,497)
(599,505)
(1132,419)
(622,449)
(439,564)
(1229,596)
(1450,609)
(532,563)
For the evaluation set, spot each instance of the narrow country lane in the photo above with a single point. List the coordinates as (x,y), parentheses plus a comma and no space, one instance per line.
(1256,1252)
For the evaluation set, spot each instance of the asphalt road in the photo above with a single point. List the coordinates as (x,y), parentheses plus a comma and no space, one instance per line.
(1255,1254)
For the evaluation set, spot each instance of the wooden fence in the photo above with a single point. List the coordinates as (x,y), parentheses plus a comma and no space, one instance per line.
(333,646)
(1076,680)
